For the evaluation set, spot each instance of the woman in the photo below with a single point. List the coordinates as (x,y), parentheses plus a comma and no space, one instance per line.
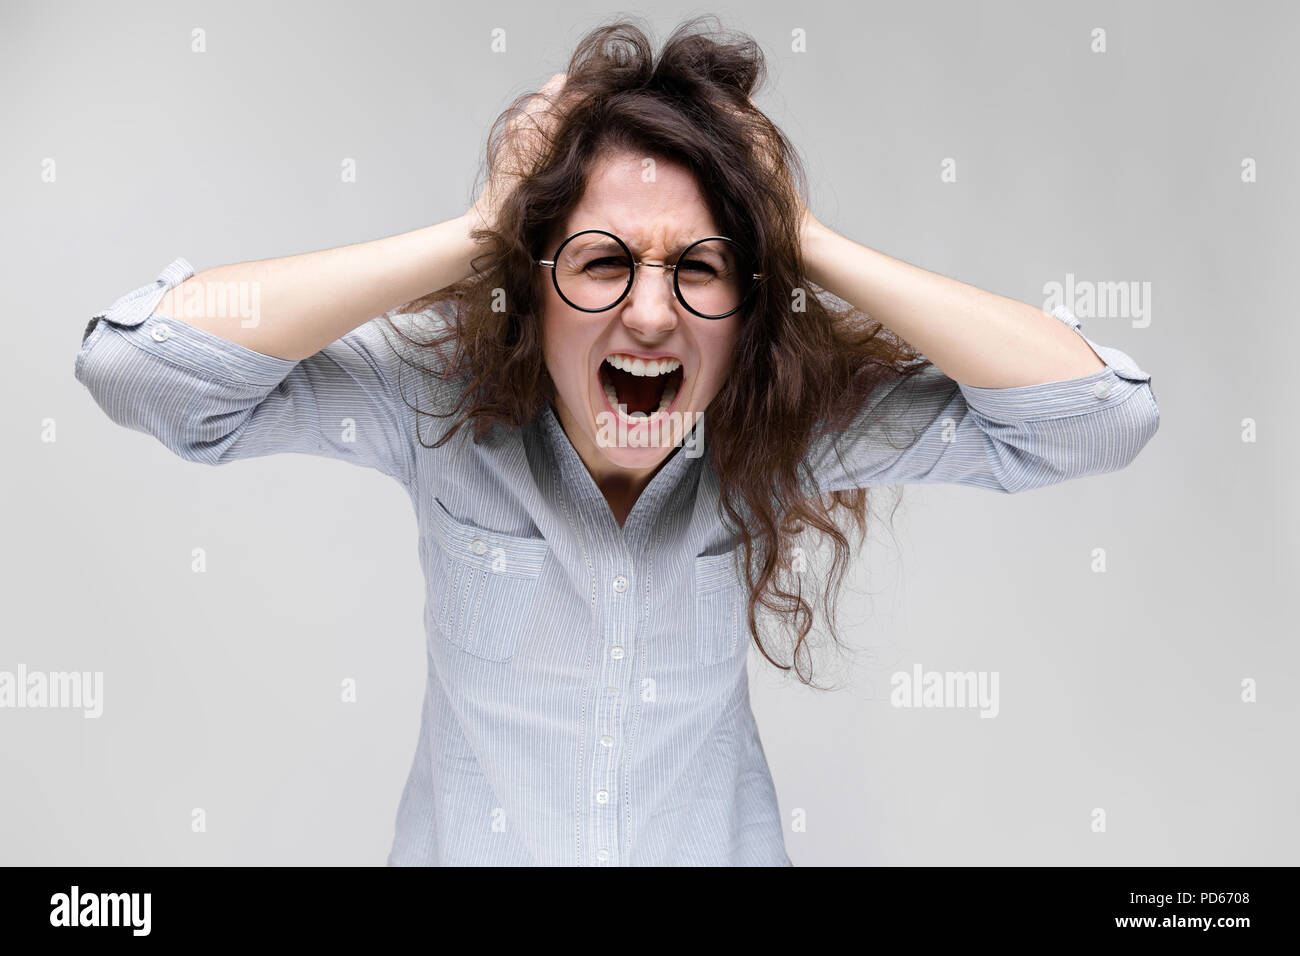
(645,386)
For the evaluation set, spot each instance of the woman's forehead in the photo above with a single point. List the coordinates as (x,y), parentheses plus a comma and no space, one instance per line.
(646,202)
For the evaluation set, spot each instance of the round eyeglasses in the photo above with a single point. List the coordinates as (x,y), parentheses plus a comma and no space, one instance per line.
(593,271)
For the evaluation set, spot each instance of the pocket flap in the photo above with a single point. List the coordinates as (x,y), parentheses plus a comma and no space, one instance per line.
(488,550)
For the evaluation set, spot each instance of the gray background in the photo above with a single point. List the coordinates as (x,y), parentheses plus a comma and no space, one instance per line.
(1118,690)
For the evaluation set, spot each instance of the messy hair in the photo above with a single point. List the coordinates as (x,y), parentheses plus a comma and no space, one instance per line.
(805,362)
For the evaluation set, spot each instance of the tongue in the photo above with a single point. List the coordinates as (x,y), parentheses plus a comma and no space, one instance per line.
(640,393)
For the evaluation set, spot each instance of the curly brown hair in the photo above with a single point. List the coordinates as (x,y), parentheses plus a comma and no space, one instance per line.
(818,359)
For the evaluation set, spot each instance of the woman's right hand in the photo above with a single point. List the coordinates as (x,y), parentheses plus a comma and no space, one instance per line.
(525,133)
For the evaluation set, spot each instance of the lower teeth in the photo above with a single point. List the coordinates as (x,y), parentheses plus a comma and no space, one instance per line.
(665,400)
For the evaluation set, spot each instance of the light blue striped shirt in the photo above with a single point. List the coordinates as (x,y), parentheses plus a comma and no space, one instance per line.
(587,700)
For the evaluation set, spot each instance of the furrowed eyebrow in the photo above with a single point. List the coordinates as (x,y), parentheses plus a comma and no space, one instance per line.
(601,243)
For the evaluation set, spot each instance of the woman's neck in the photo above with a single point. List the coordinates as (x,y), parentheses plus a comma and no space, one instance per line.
(621,487)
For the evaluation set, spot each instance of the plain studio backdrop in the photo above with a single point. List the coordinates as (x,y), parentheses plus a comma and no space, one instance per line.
(1119,690)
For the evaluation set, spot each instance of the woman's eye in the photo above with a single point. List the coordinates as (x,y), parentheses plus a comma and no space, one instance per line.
(606,265)
(696,268)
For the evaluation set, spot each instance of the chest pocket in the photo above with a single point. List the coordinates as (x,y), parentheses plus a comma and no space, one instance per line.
(485,585)
(719,609)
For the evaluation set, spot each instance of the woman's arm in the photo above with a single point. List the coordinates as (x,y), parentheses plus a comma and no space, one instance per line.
(927,428)
(1014,398)
(214,401)
(305,302)
(974,337)
(282,355)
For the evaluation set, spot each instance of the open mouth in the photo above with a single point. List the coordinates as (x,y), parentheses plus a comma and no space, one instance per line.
(639,390)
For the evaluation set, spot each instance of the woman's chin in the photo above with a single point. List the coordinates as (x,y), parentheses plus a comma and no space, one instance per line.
(635,449)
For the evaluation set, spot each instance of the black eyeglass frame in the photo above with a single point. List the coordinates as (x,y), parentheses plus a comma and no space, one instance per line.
(631,276)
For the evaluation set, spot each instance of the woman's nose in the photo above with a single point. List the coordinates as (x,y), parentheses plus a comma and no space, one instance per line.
(652,307)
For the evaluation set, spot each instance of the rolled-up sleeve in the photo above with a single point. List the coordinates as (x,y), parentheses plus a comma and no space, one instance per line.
(213,401)
(928,428)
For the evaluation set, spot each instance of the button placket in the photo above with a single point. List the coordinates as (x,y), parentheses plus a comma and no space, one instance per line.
(605,760)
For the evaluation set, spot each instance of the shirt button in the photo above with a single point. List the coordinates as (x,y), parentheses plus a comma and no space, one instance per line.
(1101,389)
(161,333)
(479,546)
(616,652)
(602,796)
(607,741)
(620,584)
(611,691)
(602,854)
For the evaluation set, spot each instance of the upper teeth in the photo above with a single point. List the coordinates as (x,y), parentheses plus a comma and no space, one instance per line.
(637,366)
